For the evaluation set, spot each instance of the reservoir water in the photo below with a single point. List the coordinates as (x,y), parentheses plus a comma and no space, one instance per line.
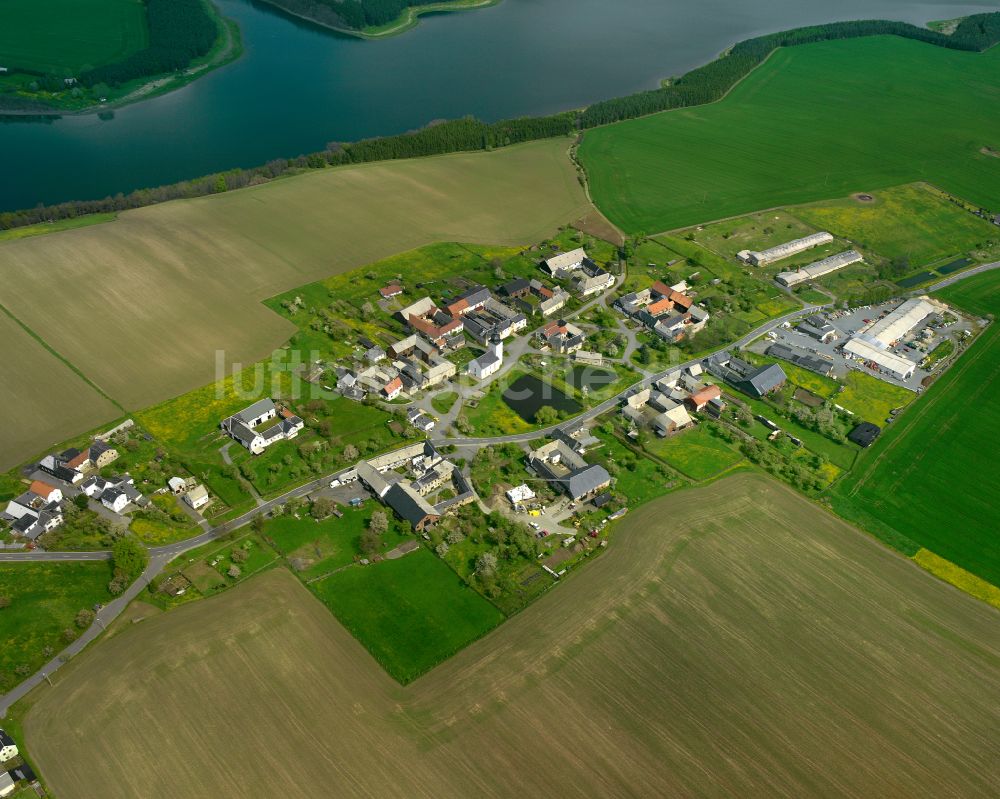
(299,86)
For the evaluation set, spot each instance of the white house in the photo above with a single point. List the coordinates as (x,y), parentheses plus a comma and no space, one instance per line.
(178,485)
(489,362)
(520,494)
(7,784)
(249,429)
(8,749)
(114,499)
(197,497)
(565,263)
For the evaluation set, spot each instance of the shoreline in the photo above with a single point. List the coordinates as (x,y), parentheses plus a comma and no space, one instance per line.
(227,48)
(406,21)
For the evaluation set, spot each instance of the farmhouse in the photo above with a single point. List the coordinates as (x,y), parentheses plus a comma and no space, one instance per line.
(566,263)
(563,337)
(700,399)
(251,427)
(493,318)
(102,454)
(390,291)
(666,310)
(489,362)
(520,287)
(819,268)
(560,465)
(468,301)
(540,299)
(786,250)
(419,419)
(591,279)
(392,389)
(56,465)
(36,511)
(427,472)
(757,381)
(426,318)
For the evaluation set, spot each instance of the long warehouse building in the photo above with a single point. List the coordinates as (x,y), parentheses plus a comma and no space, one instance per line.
(901,321)
(786,250)
(871,350)
(820,268)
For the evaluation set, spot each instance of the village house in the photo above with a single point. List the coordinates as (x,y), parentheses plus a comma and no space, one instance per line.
(591,279)
(390,291)
(666,310)
(392,389)
(419,419)
(565,264)
(250,427)
(818,328)
(492,319)
(437,326)
(562,337)
(566,470)
(8,749)
(197,497)
(468,301)
(519,287)
(756,381)
(519,494)
(700,399)
(35,511)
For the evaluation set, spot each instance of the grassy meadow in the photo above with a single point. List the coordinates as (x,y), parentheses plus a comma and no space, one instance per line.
(776,140)
(911,222)
(915,487)
(68,36)
(183,280)
(747,631)
(410,613)
(44,600)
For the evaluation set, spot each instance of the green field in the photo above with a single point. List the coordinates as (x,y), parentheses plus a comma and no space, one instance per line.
(907,222)
(209,263)
(871,398)
(44,600)
(410,613)
(734,640)
(777,140)
(64,37)
(930,481)
(695,453)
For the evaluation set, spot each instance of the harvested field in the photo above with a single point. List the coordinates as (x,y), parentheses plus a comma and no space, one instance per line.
(179,281)
(735,640)
(50,400)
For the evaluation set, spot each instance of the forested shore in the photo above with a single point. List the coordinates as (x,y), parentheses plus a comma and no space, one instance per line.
(358,15)
(703,85)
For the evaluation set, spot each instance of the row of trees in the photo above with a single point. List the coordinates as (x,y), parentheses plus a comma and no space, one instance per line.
(354,14)
(710,82)
(702,85)
(179,32)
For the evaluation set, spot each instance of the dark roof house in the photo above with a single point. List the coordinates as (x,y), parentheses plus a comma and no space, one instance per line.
(864,434)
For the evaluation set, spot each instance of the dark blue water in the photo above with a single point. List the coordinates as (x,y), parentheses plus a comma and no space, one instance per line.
(298,87)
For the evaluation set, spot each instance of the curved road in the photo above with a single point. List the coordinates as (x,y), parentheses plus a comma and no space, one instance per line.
(159,557)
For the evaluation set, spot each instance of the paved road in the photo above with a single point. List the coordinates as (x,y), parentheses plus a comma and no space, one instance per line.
(962,275)
(159,557)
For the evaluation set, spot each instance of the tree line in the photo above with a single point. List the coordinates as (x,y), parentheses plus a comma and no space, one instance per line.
(179,32)
(353,14)
(702,85)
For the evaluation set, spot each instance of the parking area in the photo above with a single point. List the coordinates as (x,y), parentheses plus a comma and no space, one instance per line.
(914,346)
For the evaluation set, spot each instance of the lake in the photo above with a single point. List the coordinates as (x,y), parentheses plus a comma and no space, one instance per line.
(298,86)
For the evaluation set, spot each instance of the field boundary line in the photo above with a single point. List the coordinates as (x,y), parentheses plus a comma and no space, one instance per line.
(925,406)
(65,361)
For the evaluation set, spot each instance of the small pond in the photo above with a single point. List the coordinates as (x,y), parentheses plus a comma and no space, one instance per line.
(526,395)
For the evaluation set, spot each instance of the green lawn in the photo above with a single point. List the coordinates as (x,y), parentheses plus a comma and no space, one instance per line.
(911,222)
(44,601)
(777,139)
(444,402)
(696,453)
(931,480)
(871,398)
(67,36)
(410,613)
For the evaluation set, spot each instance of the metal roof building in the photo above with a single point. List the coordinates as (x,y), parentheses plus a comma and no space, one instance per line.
(899,367)
(786,250)
(819,268)
(902,320)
